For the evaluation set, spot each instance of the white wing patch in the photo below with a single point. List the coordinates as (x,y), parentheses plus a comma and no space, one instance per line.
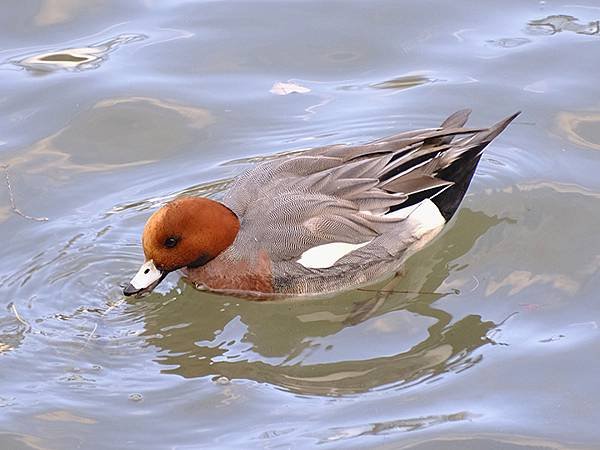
(423,220)
(326,255)
(424,216)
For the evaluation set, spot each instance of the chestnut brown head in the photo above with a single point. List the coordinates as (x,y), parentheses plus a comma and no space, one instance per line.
(187,232)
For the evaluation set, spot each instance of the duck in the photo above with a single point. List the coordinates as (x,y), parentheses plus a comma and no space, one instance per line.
(320,221)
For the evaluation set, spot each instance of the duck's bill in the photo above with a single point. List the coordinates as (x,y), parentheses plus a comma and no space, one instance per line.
(147,278)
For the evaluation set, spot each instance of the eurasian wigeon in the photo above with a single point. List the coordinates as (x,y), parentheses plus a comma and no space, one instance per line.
(325,220)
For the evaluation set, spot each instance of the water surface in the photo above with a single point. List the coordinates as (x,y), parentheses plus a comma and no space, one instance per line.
(112,108)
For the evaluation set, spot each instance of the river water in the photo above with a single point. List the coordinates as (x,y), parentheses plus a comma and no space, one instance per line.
(111,108)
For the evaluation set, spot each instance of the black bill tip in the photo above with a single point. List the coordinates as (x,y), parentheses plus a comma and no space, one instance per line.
(130,290)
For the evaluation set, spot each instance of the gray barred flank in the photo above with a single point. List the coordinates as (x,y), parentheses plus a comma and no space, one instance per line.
(346,194)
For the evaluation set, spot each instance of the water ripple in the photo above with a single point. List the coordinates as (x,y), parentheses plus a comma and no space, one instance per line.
(77,58)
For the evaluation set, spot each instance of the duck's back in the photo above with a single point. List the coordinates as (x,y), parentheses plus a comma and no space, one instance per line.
(337,217)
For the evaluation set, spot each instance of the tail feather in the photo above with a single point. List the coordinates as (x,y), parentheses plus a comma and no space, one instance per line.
(437,164)
(456,120)
(460,168)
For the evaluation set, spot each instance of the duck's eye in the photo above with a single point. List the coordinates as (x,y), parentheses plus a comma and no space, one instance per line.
(171,241)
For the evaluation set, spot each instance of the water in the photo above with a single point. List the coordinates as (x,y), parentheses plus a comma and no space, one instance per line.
(111,108)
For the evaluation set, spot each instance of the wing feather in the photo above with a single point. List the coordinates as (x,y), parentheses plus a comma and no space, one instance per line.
(343,194)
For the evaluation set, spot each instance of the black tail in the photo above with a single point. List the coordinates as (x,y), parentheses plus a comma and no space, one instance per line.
(434,163)
(460,171)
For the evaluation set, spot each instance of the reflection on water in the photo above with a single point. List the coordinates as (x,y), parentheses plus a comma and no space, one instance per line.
(558,23)
(99,139)
(494,441)
(212,189)
(398,83)
(405,82)
(52,12)
(206,335)
(509,42)
(76,59)
(392,426)
(581,128)
(12,330)
(535,30)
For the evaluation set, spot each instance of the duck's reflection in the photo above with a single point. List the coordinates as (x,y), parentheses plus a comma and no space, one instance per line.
(330,346)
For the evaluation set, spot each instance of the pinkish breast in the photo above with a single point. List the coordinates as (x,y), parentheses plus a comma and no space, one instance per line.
(224,274)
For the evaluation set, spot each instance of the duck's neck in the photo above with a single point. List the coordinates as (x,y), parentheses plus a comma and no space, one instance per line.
(219,229)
